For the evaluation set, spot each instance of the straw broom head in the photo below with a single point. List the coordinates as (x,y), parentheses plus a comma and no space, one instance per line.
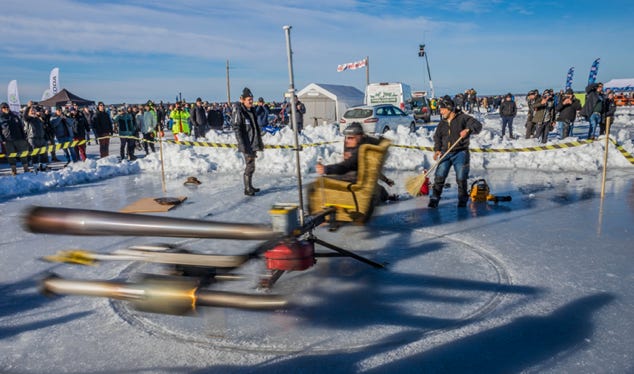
(413,184)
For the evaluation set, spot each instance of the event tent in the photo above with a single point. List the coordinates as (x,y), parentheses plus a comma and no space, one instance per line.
(619,85)
(65,97)
(326,103)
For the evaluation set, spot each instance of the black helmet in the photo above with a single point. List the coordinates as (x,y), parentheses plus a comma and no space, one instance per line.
(354,128)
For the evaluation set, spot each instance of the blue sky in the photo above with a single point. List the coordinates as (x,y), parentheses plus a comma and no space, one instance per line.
(137,50)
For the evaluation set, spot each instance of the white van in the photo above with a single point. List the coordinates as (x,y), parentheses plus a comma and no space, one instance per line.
(397,94)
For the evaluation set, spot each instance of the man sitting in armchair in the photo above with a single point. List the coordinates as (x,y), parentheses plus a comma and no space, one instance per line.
(346,170)
(351,184)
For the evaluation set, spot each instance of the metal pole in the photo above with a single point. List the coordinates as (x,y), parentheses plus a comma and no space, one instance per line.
(291,94)
(66,221)
(431,84)
(367,71)
(228,89)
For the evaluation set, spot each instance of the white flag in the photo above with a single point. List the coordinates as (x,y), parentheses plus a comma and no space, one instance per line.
(352,65)
(13,96)
(54,81)
(46,94)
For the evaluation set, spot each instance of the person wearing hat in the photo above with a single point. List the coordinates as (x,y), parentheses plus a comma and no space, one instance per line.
(262,112)
(127,133)
(508,111)
(102,126)
(180,118)
(454,126)
(13,138)
(249,137)
(346,170)
(544,115)
(81,128)
(150,126)
(532,97)
(566,111)
(36,136)
(609,109)
(63,129)
(199,119)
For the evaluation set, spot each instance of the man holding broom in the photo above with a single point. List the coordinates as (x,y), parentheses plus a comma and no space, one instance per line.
(451,148)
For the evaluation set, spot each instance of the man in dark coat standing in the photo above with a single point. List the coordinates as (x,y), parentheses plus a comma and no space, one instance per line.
(262,111)
(199,119)
(249,137)
(13,137)
(102,126)
(455,126)
(593,108)
(567,108)
(508,111)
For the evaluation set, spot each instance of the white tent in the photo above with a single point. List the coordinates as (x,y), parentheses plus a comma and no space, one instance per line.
(617,85)
(326,103)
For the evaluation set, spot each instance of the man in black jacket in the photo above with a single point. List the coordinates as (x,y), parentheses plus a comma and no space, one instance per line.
(593,108)
(455,126)
(199,119)
(13,137)
(567,108)
(508,111)
(609,109)
(102,126)
(249,137)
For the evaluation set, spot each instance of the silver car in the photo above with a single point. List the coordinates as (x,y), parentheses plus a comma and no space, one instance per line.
(377,119)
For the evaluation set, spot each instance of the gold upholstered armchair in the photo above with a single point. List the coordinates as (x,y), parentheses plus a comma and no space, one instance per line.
(353,201)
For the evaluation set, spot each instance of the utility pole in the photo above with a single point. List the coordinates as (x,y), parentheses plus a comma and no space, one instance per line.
(422,53)
(228,89)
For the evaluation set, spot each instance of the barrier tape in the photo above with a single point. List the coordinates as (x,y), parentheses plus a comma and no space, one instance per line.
(625,153)
(59,146)
(45,149)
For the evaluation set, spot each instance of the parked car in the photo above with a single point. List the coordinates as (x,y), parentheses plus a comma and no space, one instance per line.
(422,109)
(377,119)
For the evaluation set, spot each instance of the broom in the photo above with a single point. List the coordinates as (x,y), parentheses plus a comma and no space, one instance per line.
(413,184)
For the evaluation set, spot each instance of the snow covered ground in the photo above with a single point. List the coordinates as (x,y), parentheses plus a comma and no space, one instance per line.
(539,284)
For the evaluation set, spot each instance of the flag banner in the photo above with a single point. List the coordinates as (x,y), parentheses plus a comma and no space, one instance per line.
(594,70)
(54,82)
(569,76)
(46,94)
(13,96)
(352,65)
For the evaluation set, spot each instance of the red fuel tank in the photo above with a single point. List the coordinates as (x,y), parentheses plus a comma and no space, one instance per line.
(291,255)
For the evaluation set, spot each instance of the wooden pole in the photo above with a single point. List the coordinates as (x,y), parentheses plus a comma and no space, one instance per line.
(605,155)
(162,162)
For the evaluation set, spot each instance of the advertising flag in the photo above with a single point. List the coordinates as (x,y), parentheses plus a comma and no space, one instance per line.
(594,70)
(352,65)
(53,86)
(569,76)
(13,96)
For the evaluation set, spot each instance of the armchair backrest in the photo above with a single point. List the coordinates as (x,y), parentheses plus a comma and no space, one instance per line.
(371,159)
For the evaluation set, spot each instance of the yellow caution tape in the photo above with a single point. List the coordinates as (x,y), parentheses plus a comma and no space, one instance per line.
(45,149)
(548,147)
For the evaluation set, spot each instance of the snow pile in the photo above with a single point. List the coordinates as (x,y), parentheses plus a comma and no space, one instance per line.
(182,160)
